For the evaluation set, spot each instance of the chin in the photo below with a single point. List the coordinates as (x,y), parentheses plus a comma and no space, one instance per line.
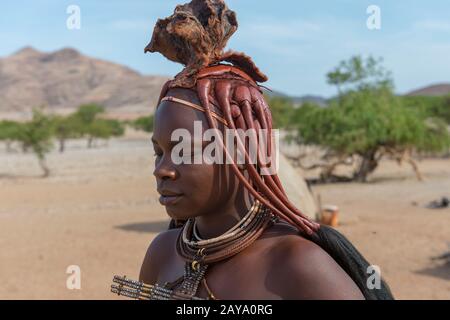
(179,213)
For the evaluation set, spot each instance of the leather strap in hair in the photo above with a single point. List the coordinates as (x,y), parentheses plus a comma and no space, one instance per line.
(195,106)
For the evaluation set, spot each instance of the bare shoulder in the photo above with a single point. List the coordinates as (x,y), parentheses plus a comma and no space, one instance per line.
(303,270)
(158,253)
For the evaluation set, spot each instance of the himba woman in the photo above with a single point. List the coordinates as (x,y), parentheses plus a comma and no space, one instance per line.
(234,233)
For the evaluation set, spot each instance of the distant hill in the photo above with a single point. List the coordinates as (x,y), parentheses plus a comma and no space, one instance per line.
(65,79)
(298,100)
(441,89)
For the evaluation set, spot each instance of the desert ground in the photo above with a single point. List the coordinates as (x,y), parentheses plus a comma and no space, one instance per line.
(99,210)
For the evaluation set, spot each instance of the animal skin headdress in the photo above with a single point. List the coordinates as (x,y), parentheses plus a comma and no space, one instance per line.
(196,35)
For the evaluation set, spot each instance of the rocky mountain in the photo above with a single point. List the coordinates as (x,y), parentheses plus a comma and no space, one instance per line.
(298,100)
(65,79)
(441,89)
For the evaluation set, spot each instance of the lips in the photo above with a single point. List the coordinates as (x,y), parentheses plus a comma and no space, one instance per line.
(169,198)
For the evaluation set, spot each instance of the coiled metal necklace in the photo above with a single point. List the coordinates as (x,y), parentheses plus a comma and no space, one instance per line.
(199,254)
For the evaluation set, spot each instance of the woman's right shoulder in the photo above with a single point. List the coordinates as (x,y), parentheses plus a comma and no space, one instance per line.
(165,239)
(159,252)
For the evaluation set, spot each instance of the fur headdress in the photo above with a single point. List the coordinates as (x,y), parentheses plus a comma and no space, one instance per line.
(196,35)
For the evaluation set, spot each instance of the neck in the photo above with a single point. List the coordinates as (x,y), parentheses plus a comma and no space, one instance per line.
(213,225)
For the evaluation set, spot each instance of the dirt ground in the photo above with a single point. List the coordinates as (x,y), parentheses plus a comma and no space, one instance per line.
(99,211)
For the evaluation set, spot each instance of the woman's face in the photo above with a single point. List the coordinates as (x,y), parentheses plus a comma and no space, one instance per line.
(188,190)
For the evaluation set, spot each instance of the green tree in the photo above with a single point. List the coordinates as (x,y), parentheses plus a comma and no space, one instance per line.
(358,73)
(88,113)
(9,132)
(104,129)
(65,128)
(86,117)
(432,106)
(37,136)
(367,122)
(144,124)
(282,109)
(442,109)
(117,128)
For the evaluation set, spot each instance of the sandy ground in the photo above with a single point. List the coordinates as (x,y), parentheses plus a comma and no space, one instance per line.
(99,211)
(388,222)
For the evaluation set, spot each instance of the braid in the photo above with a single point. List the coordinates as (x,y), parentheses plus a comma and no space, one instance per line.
(244,107)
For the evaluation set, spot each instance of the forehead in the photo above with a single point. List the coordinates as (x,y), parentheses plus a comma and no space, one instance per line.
(170,115)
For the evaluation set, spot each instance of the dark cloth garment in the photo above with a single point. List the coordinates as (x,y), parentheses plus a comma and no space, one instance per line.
(351,260)
(346,255)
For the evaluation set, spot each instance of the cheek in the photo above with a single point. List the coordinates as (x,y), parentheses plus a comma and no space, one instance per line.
(208,185)
(199,180)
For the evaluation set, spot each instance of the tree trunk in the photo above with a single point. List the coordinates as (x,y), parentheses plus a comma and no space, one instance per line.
(90,141)
(327,173)
(45,169)
(368,165)
(62,145)
(416,169)
(8,146)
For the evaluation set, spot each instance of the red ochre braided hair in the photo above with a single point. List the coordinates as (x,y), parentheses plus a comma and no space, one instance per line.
(242,104)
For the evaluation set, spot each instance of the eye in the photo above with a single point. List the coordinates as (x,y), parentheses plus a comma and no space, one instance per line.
(157,151)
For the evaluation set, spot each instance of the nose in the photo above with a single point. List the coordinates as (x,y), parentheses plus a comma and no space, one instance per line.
(165,169)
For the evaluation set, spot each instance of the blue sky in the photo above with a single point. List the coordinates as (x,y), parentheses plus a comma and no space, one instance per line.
(294,42)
